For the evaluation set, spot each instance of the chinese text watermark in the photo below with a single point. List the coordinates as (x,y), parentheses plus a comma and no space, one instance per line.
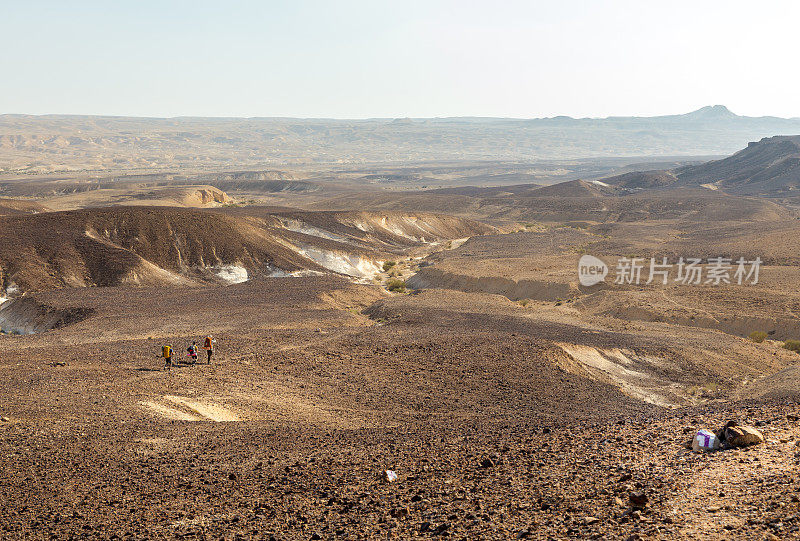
(688,271)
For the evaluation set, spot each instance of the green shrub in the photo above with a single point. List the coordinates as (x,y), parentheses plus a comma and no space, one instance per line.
(397,286)
(758,336)
(792,345)
(388,265)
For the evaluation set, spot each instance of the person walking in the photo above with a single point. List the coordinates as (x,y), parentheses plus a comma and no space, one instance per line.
(208,345)
(166,352)
(192,353)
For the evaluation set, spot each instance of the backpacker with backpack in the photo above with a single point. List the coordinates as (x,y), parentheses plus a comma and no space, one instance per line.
(166,352)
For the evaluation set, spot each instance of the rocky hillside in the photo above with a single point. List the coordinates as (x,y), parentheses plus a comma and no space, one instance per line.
(769,167)
(158,245)
(16,206)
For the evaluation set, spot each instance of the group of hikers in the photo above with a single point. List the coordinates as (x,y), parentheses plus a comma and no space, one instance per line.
(191,352)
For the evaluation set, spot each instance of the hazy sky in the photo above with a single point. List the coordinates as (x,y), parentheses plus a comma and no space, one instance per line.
(374,58)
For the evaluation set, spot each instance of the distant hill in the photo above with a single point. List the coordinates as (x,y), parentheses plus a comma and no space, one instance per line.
(44,144)
(769,167)
(642,180)
(10,207)
(575,188)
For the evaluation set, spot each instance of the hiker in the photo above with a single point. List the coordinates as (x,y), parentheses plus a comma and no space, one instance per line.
(208,345)
(166,352)
(191,352)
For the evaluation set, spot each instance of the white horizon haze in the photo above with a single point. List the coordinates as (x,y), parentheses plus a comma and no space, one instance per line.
(355,59)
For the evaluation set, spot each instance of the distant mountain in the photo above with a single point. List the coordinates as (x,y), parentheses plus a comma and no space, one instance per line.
(43,144)
(711,112)
(769,167)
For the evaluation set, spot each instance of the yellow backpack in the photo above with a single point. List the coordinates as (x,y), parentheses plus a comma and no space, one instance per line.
(166,351)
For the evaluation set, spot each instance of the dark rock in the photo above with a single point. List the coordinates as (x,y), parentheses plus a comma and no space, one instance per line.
(400,512)
(638,499)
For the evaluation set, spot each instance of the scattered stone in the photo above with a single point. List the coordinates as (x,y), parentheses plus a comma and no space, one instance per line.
(487,463)
(390,476)
(400,512)
(5,419)
(590,520)
(638,499)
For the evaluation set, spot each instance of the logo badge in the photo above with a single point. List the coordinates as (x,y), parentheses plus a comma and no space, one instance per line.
(591,271)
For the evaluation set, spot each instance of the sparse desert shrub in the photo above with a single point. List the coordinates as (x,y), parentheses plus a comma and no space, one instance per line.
(388,265)
(758,336)
(396,286)
(792,345)
(525,302)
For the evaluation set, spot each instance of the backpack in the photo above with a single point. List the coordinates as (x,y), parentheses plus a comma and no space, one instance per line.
(207,344)
(166,352)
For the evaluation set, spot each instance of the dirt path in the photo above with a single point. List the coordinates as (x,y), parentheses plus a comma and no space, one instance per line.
(186,409)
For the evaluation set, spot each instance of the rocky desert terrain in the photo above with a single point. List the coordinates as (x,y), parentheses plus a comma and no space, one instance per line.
(396,363)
